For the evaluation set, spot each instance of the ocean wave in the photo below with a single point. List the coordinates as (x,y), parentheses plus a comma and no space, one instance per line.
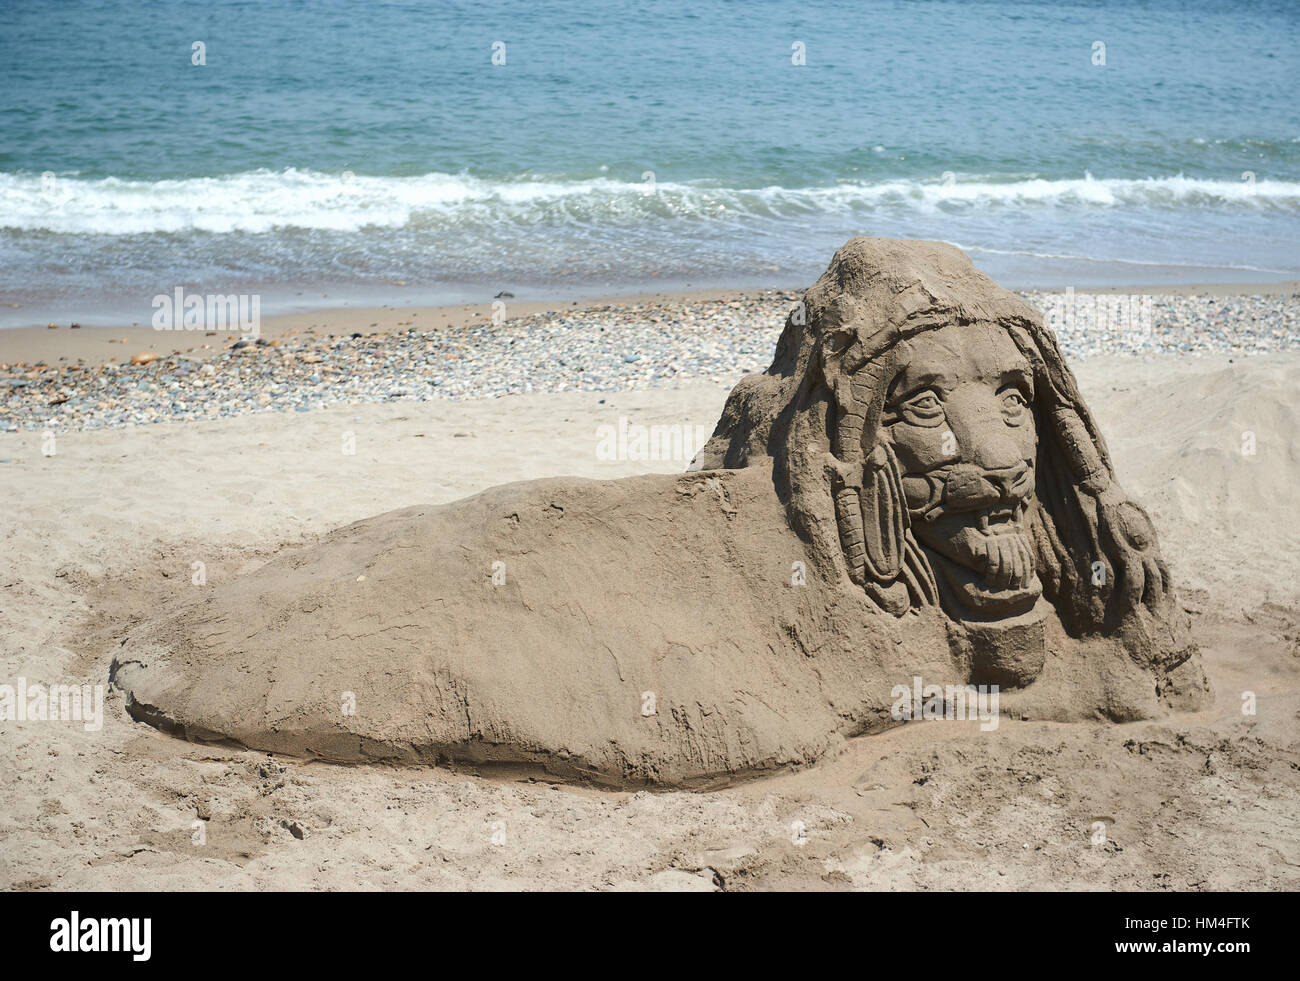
(980,250)
(264,201)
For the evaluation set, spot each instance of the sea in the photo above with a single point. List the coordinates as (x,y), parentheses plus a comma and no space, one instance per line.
(320,152)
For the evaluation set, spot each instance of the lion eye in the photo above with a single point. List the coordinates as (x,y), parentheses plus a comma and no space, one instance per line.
(925,402)
(1013,400)
(922,408)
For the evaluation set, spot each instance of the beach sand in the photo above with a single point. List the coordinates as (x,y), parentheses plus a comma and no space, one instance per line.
(105,531)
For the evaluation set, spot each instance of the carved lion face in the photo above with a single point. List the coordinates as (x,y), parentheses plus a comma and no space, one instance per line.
(959,418)
(933,449)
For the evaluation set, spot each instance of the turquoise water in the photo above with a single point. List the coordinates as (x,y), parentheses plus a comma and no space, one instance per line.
(330,150)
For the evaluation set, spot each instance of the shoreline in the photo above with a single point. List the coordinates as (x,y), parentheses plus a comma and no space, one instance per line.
(35,345)
(94,378)
(102,344)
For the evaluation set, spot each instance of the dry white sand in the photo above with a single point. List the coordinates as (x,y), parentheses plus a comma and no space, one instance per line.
(108,528)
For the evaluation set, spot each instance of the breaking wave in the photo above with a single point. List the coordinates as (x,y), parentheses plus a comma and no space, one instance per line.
(265,201)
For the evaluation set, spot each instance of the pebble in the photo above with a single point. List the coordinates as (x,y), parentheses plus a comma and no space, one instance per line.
(610,348)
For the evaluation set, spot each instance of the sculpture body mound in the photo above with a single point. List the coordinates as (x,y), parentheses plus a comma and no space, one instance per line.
(913,497)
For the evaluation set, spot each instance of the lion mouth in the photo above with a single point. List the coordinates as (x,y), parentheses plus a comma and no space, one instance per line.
(1002,551)
(1000,520)
(1005,585)
(1008,562)
(985,559)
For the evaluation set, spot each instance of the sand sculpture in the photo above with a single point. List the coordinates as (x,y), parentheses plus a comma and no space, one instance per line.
(914,494)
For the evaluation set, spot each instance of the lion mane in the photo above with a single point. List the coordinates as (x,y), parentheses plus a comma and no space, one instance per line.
(816,412)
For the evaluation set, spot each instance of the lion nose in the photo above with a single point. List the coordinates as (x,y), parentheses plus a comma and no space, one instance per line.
(1009,481)
(994,450)
(970,487)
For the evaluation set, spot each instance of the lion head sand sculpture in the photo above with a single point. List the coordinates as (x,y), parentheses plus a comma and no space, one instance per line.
(923,420)
(914,490)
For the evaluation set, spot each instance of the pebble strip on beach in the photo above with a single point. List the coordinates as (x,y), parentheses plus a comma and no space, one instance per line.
(597,349)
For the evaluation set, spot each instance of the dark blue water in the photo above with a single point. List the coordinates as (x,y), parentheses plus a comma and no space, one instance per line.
(341,148)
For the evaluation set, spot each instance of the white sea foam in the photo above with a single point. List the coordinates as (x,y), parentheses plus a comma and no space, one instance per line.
(262,201)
